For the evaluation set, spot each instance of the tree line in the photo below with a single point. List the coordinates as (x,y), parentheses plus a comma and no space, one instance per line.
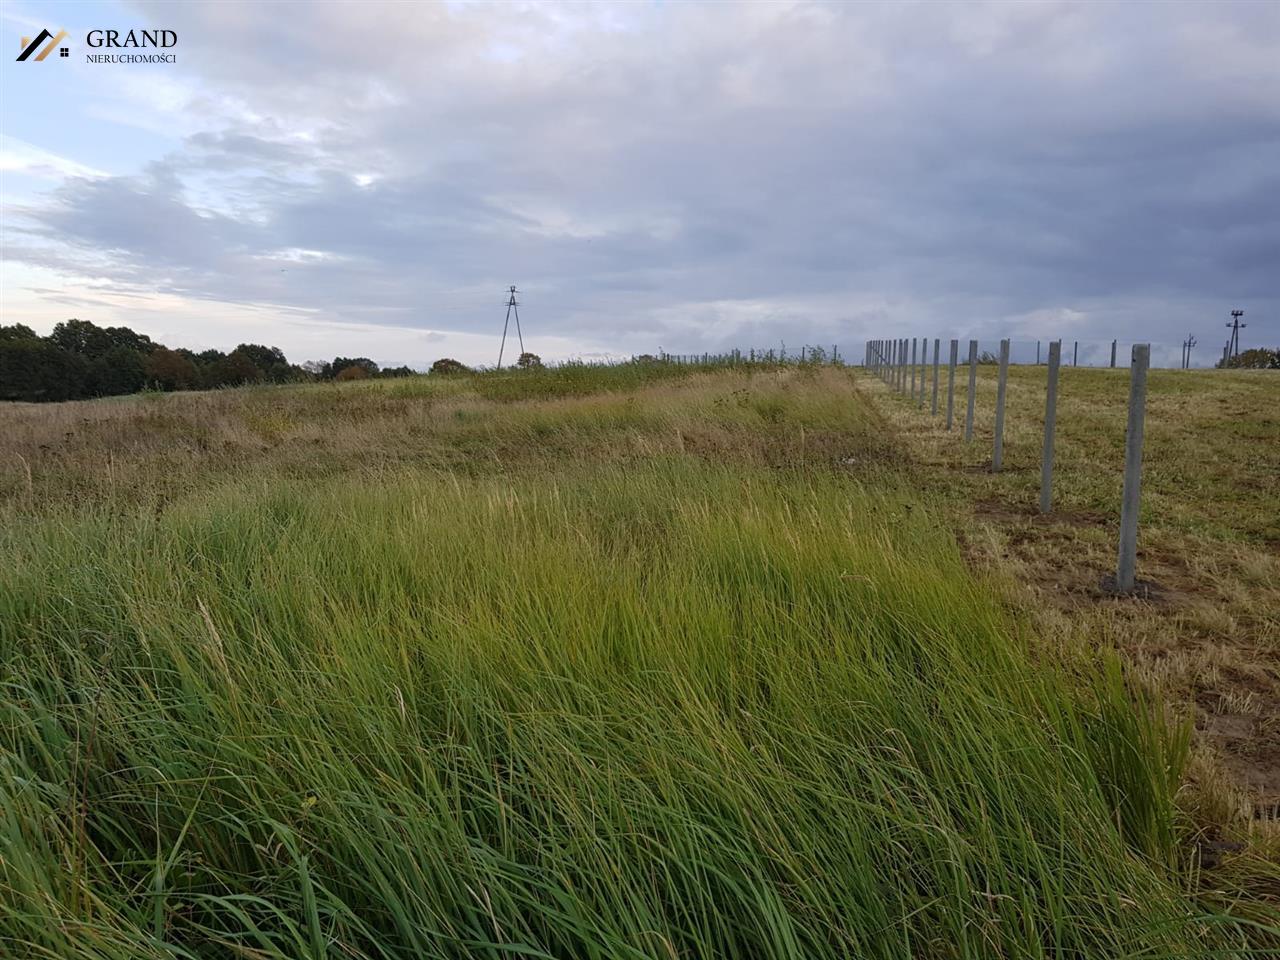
(80,359)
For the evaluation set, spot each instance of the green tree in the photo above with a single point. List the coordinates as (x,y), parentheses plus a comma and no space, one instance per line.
(17,331)
(35,370)
(95,342)
(449,365)
(234,370)
(119,370)
(171,369)
(341,363)
(270,361)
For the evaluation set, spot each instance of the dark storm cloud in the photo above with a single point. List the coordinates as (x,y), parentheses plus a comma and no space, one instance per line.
(695,176)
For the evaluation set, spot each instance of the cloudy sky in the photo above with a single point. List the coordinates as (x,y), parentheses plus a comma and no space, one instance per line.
(368,178)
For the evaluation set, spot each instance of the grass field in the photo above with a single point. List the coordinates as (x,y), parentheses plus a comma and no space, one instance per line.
(628,662)
(1209,543)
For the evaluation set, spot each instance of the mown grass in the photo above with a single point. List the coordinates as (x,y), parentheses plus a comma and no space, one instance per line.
(683,671)
(1208,636)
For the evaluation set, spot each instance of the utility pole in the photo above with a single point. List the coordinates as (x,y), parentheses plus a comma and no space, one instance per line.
(1187,344)
(512,307)
(1235,326)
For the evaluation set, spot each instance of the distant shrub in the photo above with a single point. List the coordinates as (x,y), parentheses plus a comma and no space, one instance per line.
(1259,358)
(352,373)
(449,365)
(529,361)
(344,363)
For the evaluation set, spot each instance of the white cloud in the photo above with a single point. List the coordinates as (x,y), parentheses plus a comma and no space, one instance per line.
(18,156)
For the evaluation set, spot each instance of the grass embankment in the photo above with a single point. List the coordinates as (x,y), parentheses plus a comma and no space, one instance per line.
(682,671)
(1209,543)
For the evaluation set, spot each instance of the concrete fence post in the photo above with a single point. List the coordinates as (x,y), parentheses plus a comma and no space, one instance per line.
(937,342)
(973,390)
(902,367)
(951,381)
(913,368)
(1050,422)
(1037,353)
(1113,354)
(924,362)
(1075,354)
(1127,562)
(997,452)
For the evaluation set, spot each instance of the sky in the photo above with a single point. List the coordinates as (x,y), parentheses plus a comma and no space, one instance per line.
(369,178)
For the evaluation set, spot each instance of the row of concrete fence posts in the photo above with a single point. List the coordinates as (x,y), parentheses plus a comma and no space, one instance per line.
(973,390)
(1050,422)
(889,358)
(951,381)
(1002,382)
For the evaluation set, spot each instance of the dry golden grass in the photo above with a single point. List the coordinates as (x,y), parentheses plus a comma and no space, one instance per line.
(1208,634)
(154,448)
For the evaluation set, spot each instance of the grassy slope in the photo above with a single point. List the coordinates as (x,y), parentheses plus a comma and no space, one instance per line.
(619,674)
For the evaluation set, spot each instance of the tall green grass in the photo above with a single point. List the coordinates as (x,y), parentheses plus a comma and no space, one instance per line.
(666,710)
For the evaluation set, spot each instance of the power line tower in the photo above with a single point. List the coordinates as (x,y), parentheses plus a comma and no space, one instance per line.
(512,307)
(1187,344)
(1235,326)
